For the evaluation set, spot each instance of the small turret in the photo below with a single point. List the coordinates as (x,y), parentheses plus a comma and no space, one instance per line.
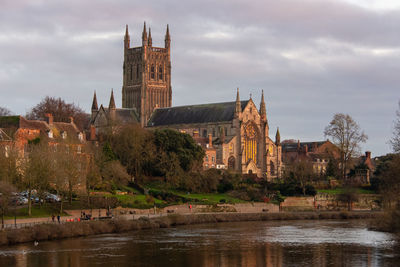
(238,108)
(144,35)
(127,38)
(150,41)
(263,112)
(278,138)
(167,38)
(112,101)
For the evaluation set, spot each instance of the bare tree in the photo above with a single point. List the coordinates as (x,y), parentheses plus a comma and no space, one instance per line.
(346,134)
(60,110)
(6,194)
(395,141)
(5,112)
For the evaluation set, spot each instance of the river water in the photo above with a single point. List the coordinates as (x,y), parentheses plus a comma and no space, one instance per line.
(272,243)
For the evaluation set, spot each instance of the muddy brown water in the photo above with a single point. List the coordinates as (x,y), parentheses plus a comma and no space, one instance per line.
(268,243)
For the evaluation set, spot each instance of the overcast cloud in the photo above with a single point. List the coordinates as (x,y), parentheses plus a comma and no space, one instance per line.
(312,58)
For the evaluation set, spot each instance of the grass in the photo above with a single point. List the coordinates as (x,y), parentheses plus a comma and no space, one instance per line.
(337,191)
(137,201)
(45,211)
(209,199)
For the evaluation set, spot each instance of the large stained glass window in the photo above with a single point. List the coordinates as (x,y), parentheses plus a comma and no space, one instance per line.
(250,143)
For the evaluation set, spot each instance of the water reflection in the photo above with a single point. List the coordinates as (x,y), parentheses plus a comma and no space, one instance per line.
(283,243)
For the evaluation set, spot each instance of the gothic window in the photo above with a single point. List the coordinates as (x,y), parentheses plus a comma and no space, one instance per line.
(231,148)
(272,167)
(204,133)
(130,74)
(250,143)
(137,72)
(231,163)
(152,72)
(213,132)
(160,73)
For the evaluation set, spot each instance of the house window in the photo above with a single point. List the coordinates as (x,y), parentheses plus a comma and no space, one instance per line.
(137,72)
(50,134)
(130,74)
(204,133)
(64,134)
(160,73)
(79,149)
(152,72)
(213,159)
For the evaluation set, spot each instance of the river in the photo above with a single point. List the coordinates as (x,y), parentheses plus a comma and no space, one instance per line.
(271,243)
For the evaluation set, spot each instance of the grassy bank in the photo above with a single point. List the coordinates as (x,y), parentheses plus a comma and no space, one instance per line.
(76,229)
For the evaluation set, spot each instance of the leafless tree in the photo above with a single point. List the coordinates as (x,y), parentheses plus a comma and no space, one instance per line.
(5,112)
(6,194)
(60,110)
(347,135)
(395,141)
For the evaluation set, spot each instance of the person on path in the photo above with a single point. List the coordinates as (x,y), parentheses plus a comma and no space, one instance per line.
(58,218)
(52,217)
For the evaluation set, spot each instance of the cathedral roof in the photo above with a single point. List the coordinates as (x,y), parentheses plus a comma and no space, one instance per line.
(205,113)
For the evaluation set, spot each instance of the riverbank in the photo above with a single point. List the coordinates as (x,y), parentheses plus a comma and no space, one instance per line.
(54,231)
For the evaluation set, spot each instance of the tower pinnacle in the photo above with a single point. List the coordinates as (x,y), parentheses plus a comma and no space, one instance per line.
(112,101)
(94,104)
(144,35)
(150,42)
(167,38)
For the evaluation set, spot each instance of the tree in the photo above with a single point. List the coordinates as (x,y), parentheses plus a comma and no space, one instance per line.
(60,110)
(302,172)
(349,196)
(6,194)
(38,170)
(5,112)
(134,147)
(395,141)
(346,134)
(9,165)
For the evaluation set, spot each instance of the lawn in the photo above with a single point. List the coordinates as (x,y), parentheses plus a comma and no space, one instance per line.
(341,190)
(137,201)
(209,199)
(45,211)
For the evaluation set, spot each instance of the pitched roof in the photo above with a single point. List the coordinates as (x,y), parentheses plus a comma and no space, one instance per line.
(205,113)
(292,146)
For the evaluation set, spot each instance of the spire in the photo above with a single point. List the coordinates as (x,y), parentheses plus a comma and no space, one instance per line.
(112,102)
(144,35)
(167,38)
(150,42)
(94,104)
(238,108)
(127,38)
(278,138)
(263,111)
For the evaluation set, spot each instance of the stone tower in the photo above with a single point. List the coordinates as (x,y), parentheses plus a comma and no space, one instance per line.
(146,75)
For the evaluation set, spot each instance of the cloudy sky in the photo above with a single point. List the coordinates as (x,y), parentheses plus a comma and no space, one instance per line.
(313,58)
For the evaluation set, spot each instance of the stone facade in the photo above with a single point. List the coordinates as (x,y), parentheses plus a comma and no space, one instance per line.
(146,75)
(239,131)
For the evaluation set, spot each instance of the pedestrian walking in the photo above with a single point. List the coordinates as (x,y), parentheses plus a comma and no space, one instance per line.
(52,217)
(58,218)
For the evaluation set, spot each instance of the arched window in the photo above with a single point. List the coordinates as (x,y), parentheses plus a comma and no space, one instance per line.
(152,72)
(130,73)
(231,163)
(204,133)
(160,73)
(137,71)
(272,167)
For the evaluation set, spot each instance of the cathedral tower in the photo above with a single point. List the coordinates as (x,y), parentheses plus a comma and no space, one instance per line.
(146,75)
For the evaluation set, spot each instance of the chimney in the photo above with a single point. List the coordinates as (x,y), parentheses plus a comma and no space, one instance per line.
(195,134)
(49,118)
(306,149)
(368,154)
(92,132)
(210,140)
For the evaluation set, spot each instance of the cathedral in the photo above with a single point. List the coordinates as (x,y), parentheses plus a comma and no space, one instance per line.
(238,130)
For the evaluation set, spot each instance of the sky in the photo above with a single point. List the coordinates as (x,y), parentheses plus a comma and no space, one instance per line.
(312,58)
